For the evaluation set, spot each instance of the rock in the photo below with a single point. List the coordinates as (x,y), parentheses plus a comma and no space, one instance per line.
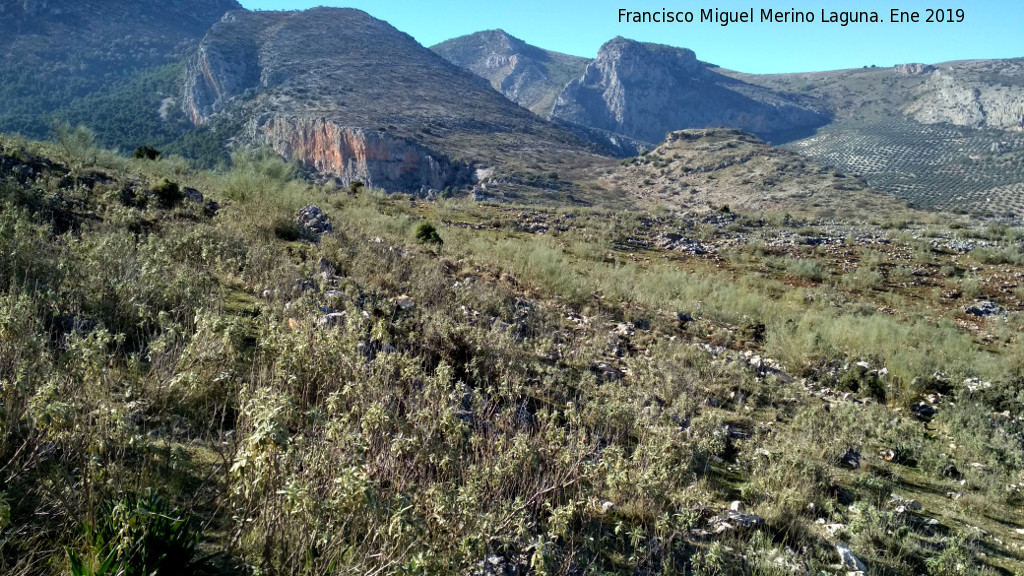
(334,294)
(954,495)
(730,521)
(914,69)
(952,472)
(737,506)
(313,221)
(352,154)
(905,503)
(984,309)
(211,208)
(923,411)
(331,320)
(193,195)
(607,506)
(680,243)
(404,302)
(851,459)
(849,560)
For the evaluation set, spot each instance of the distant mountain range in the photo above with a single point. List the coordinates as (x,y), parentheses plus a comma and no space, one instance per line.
(369,103)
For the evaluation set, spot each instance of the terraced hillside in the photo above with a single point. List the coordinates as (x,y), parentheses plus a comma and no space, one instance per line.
(933,166)
(708,169)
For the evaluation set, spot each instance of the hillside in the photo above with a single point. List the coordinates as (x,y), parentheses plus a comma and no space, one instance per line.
(53,52)
(707,169)
(527,75)
(202,373)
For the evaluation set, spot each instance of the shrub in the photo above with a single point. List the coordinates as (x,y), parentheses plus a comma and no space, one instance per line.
(355,186)
(146,153)
(169,193)
(427,234)
(137,536)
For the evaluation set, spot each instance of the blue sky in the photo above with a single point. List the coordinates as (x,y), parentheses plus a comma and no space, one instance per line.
(991,29)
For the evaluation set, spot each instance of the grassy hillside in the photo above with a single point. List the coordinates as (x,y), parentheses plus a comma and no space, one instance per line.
(460,388)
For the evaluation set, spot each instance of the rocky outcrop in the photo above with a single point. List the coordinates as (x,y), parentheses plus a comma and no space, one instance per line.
(216,74)
(355,154)
(527,75)
(645,90)
(964,101)
(914,69)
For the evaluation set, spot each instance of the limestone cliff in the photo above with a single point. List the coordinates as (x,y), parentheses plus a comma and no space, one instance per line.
(351,96)
(372,157)
(529,76)
(962,96)
(645,90)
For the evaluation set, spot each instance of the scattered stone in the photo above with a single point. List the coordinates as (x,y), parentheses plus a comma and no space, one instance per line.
(211,208)
(193,195)
(950,471)
(730,521)
(624,329)
(849,560)
(975,384)
(680,243)
(737,506)
(984,309)
(905,503)
(923,411)
(331,320)
(313,220)
(851,459)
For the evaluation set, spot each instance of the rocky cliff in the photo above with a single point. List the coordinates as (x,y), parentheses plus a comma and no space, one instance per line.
(645,90)
(966,95)
(529,76)
(388,111)
(356,154)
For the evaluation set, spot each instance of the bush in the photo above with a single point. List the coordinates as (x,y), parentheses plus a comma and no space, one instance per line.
(427,234)
(146,153)
(355,186)
(137,536)
(169,193)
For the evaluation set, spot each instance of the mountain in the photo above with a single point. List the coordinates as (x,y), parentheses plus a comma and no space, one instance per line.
(54,52)
(643,90)
(945,136)
(529,76)
(387,112)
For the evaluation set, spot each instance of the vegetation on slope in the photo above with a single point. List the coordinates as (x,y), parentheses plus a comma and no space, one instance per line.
(544,391)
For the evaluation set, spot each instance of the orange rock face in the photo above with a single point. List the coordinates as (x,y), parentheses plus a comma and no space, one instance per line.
(372,157)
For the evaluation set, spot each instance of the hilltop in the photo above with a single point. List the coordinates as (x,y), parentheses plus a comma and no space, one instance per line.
(527,75)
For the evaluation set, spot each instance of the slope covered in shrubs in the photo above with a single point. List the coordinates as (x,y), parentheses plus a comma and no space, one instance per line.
(505,390)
